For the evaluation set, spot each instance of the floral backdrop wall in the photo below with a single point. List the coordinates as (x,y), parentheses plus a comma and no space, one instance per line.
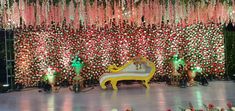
(42,46)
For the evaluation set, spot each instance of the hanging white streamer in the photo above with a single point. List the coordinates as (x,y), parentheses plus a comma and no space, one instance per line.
(47,11)
(63,5)
(71,11)
(81,12)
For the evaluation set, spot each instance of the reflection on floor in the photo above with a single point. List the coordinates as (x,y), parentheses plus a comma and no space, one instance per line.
(159,98)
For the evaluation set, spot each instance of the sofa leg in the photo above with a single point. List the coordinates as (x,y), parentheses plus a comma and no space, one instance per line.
(103,86)
(114,85)
(146,84)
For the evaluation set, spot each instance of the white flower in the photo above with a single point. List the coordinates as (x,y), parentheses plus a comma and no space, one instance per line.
(114,109)
(218,108)
(188,110)
(233,108)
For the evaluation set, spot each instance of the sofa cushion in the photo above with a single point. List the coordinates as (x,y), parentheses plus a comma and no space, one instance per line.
(130,74)
(132,68)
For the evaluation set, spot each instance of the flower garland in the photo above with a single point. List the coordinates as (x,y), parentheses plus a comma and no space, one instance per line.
(171,11)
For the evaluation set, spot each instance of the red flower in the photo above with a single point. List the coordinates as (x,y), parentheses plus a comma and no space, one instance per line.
(192,109)
(210,106)
(230,105)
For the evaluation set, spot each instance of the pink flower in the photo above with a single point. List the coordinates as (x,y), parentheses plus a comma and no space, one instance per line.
(192,109)
(210,106)
(230,105)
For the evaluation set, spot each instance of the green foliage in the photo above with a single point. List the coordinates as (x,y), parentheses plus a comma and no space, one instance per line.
(229,2)
(75,3)
(84,2)
(55,2)
(173,2)
(68,1)
(11,2)
(166,3)
(92,2)
(31,1)
(223,1)
(184,1)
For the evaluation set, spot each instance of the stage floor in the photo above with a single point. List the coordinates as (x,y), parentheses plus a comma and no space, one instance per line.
(159,98)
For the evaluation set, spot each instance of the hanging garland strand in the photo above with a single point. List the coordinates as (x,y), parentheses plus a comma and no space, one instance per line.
(172,10)
(136,2)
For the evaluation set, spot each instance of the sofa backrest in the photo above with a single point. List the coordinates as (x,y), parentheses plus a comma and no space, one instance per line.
(132,68)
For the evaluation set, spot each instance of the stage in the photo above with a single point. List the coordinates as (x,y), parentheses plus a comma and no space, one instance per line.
(160,97)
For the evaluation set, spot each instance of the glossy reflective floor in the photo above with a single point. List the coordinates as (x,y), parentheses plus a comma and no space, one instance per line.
(159,98)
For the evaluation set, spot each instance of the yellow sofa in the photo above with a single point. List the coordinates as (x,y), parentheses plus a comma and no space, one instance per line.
(129,72)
